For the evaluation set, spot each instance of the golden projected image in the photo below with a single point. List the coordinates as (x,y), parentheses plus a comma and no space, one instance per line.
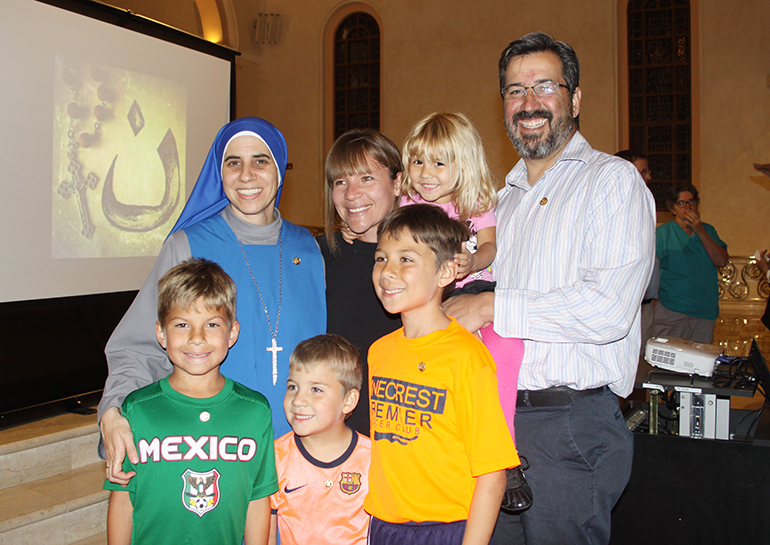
(119,155)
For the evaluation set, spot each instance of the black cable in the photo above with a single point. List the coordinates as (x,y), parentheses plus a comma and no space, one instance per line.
(737,376)
(757,415)
(663,430)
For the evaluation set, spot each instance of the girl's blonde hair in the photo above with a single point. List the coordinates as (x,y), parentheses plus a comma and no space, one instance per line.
(452,139)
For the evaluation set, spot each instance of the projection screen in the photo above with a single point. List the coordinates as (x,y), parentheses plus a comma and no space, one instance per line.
(103,131)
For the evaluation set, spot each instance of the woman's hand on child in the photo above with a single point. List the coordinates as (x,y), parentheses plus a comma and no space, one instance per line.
(118,441)
(464,262)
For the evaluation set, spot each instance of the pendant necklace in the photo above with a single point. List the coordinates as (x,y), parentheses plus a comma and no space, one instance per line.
(274,348)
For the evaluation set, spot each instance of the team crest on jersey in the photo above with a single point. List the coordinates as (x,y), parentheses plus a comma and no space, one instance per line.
(350,483)
(200,493)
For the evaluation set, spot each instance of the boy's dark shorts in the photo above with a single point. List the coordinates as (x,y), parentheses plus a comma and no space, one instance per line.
(416,533)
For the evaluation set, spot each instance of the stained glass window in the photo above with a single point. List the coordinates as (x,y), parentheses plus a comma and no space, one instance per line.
(356,74)
(659,89)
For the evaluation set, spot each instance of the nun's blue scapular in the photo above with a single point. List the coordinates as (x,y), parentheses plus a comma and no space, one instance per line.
(208,228)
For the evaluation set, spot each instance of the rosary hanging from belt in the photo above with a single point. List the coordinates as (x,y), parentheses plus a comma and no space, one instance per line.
(274,348)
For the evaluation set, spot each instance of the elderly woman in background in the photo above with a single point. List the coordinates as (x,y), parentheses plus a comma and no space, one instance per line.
(690,253)
(363,184)
(230,218)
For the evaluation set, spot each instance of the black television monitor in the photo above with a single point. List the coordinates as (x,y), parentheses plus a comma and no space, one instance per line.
(760,367)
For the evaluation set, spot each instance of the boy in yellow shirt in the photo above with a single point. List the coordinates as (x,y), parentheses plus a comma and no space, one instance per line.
(440,443)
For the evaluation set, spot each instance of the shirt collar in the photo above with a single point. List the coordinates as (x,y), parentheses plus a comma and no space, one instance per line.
(577,149)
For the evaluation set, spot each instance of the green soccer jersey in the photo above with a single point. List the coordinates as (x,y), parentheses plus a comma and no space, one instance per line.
(201,461)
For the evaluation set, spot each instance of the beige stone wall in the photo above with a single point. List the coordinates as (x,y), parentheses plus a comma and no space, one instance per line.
(435,56)
(442,55)
(735,121)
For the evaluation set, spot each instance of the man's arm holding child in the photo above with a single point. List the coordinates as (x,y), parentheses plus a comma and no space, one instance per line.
(472,311)
(258,520)
(119,518)
(485,505)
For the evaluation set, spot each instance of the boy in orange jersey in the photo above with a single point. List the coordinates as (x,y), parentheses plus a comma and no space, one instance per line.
(323,465)
(440,443)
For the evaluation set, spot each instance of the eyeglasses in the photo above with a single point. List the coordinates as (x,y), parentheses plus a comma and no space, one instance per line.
(688,202)
(519,92)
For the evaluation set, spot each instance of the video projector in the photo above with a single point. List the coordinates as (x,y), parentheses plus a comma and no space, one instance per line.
(682,356)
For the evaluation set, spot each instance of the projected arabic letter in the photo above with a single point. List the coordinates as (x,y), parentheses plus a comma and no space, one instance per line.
(132,217)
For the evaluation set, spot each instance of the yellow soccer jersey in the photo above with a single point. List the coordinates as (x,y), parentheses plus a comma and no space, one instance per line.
(436,424)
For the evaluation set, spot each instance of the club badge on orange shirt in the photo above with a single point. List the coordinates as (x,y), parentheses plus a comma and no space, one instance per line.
(350,483)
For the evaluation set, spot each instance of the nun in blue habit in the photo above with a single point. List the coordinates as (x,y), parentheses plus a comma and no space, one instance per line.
(230,218)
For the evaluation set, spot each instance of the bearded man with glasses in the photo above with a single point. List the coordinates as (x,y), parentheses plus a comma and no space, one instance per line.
(575,247)
(690,252)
